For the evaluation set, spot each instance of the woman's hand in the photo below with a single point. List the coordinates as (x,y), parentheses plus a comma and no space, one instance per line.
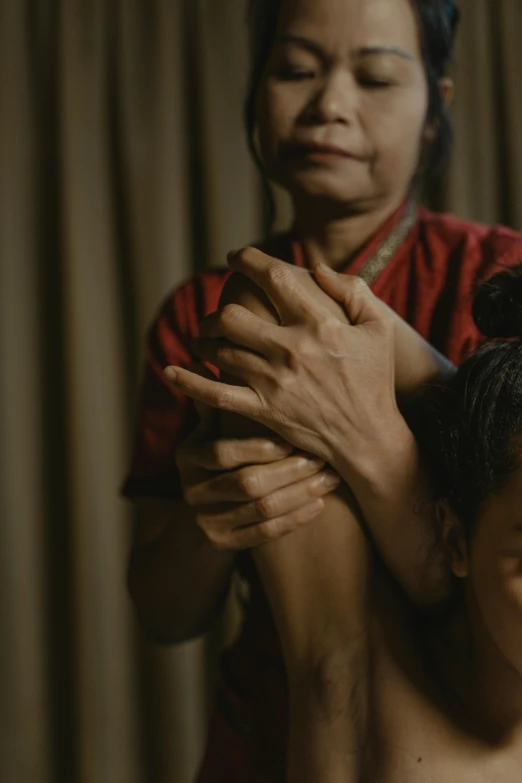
(247,492)
(323,384)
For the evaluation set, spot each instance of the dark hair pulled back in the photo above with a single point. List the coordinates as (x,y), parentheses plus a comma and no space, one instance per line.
(470,432)
(438,24)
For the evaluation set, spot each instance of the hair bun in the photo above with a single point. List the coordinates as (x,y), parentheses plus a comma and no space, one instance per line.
(454,14)
(497,308)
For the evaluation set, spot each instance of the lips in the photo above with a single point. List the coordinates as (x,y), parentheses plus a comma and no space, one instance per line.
(311,150)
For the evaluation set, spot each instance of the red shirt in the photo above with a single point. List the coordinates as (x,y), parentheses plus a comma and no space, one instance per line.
(429,283)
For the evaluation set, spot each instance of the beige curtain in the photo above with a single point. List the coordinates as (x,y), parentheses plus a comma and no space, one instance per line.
(123,169)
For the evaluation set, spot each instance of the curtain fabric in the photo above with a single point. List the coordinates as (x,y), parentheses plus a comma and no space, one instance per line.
(123,170)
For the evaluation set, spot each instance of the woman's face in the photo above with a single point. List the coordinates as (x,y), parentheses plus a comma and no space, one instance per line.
(343,102)
(495,570)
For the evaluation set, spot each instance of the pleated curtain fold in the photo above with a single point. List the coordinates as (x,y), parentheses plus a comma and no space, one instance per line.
(124,170)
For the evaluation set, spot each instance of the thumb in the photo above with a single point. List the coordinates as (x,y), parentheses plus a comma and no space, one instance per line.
(361,305)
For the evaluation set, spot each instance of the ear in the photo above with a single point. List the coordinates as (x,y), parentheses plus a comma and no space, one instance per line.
(453,539)
(447,91)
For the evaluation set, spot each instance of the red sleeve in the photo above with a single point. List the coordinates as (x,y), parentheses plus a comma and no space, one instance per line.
(165,416)
(434,289)
(500,249)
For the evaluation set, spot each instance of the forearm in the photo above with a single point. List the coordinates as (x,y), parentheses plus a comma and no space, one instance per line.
(178,581)
(315,577)
(391,485)
(382,468)
(396,498)
(317,581)
(417,363)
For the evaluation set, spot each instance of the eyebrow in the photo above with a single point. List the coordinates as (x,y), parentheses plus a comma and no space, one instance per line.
(365,51)
(369,50)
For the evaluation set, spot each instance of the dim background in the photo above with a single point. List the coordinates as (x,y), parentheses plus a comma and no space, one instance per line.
(123,170)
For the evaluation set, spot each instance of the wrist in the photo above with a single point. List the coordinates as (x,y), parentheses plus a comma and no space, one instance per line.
(390,454)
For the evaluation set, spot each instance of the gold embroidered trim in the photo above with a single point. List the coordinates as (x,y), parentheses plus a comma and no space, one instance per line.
(387,249)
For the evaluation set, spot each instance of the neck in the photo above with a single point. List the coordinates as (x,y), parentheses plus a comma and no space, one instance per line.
(487,685)
(335,238)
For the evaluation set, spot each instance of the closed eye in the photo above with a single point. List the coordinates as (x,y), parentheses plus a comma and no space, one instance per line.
(374,84)
(293,75)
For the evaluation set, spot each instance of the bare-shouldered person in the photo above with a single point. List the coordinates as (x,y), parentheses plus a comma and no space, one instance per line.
(379,693)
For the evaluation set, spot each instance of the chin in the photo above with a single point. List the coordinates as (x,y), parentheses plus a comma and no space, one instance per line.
(328,188)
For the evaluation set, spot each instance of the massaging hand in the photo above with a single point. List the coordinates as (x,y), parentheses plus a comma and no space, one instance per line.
(247,492)
(324,385)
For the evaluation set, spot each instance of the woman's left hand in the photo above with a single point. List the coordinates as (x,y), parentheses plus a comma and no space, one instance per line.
(325,386)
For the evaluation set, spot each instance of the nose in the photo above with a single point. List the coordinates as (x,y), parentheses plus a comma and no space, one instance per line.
(335,100)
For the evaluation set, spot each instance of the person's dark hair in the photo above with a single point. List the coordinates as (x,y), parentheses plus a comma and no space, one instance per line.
(438,23)
(470,432)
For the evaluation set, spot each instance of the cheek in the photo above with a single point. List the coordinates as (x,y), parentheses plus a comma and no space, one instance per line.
(277,112)
(510,583)
(507,617)
(498,589)
(395,129)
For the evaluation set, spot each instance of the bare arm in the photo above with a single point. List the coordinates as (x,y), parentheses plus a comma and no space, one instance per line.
(238,493)
(389,483)
(177,579)
(317,581)
(184,552)
(318,584)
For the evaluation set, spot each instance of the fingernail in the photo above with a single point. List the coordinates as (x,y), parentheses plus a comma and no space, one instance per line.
(282,449)
(331,480)
(315,463)
(170,374)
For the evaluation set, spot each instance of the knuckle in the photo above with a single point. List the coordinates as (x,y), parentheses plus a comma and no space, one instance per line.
(191,496)
(300,344)
(230,314)
(311,486)
(224,400)
(269,531)
(327,328)
(357,285)
(220,454)
(221,351)
(219,542)
(267,507)
(286,377)
(249,484)
(278,274)
(216,453)
(317,486)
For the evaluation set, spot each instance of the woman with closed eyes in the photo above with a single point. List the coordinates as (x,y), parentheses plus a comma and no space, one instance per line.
(349,110)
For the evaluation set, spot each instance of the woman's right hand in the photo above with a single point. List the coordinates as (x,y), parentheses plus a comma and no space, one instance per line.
(245,493)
